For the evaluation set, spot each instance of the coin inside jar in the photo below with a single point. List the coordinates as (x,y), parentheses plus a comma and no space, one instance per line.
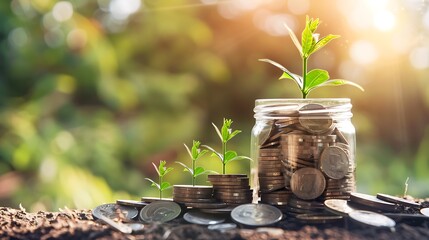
(334,162)
(307,183)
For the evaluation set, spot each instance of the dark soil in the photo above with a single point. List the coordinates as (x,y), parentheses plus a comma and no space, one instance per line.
(80,224)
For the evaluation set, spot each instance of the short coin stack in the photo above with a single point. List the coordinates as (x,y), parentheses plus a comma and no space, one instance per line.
(188,194)
(231,189)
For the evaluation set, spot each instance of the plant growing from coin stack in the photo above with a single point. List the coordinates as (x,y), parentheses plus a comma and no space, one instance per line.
(162,170)
(225,135)
(195,153)
(310,43)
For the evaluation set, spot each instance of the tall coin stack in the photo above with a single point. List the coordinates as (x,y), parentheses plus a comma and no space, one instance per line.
(303,159)
(231,189)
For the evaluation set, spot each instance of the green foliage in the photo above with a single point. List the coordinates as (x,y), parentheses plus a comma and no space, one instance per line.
(195,153)
(161,170)
(226,134)
(310,43)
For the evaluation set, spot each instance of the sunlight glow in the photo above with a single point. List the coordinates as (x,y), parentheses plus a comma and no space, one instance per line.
(363,52)
(62,11)
(384,20)
(298,6)
(18,37)
(419,58)
(122,9)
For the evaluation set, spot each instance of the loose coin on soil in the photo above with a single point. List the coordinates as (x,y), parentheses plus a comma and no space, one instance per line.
(334,162)
(160,211)
(222,226)
(113,211)
(372,219)
(202,218)
(131,203)
(256,214)
(307,183)
(318,218)
(338,206)
(425,211)
(397,200)
(372,201)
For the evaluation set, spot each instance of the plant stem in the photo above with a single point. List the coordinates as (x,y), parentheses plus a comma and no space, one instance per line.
(304,76)
(193,172)
(223,155)
(160,190)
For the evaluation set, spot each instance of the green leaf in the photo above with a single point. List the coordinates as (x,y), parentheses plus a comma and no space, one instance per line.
(214,153)
(201,153)
(165,186)
(314,78)
(307,41)
(226,129)
(217,131)
(322,42)
(186,167)
(230,155)
(168,170)
(238,158)
(154,184)
(339,82)
(198,171)
(195,146)
(286,73)
(156,169)
(161,168)
(294,39)
(233,134)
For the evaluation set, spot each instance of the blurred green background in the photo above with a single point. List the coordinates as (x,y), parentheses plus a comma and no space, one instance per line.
(92,92)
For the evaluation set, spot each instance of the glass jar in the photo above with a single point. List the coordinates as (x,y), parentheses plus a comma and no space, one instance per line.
(303,151)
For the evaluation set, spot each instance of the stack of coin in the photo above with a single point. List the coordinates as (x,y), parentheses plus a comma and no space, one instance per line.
(193,194)
(298,206)
(309,140)
(231,189)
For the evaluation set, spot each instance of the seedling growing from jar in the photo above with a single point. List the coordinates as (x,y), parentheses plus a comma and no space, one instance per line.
(162,170)
(195,153)
(225,135)
(310,43)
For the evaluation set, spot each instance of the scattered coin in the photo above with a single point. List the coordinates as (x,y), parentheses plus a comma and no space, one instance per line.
(372,202)
(114,211)
(256,214)
(202,218)
(131,203)
(338,206)
(307,183)
(222,226)
(425,211)
(318,218)
(334,162)
(372,219)
(116,225)
(397,200)
(160,211)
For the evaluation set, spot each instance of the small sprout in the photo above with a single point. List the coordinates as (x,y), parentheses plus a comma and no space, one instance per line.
(162,170)
(226,134)
(195,153)
(310,43)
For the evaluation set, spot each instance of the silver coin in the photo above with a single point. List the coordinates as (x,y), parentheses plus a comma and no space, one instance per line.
(256,214)
(338,206)
(397,200)
(136,227)
(372,202)
(222,226)
(160,211)
(131,203)
(112,211)
(372,219)
(202,218)
(425,211)
(334,162)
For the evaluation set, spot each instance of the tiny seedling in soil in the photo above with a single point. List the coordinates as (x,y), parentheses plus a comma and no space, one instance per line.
(310,43)
(195,153)
(162,170)
(226,134)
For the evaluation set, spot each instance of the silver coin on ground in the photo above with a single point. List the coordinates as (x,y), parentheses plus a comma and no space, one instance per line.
(338,206)
(160,211)
(112,211)
(256,214)
(425,211)
(131,203)
(202,218)
(397,200)
(372,219)
(222,226)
